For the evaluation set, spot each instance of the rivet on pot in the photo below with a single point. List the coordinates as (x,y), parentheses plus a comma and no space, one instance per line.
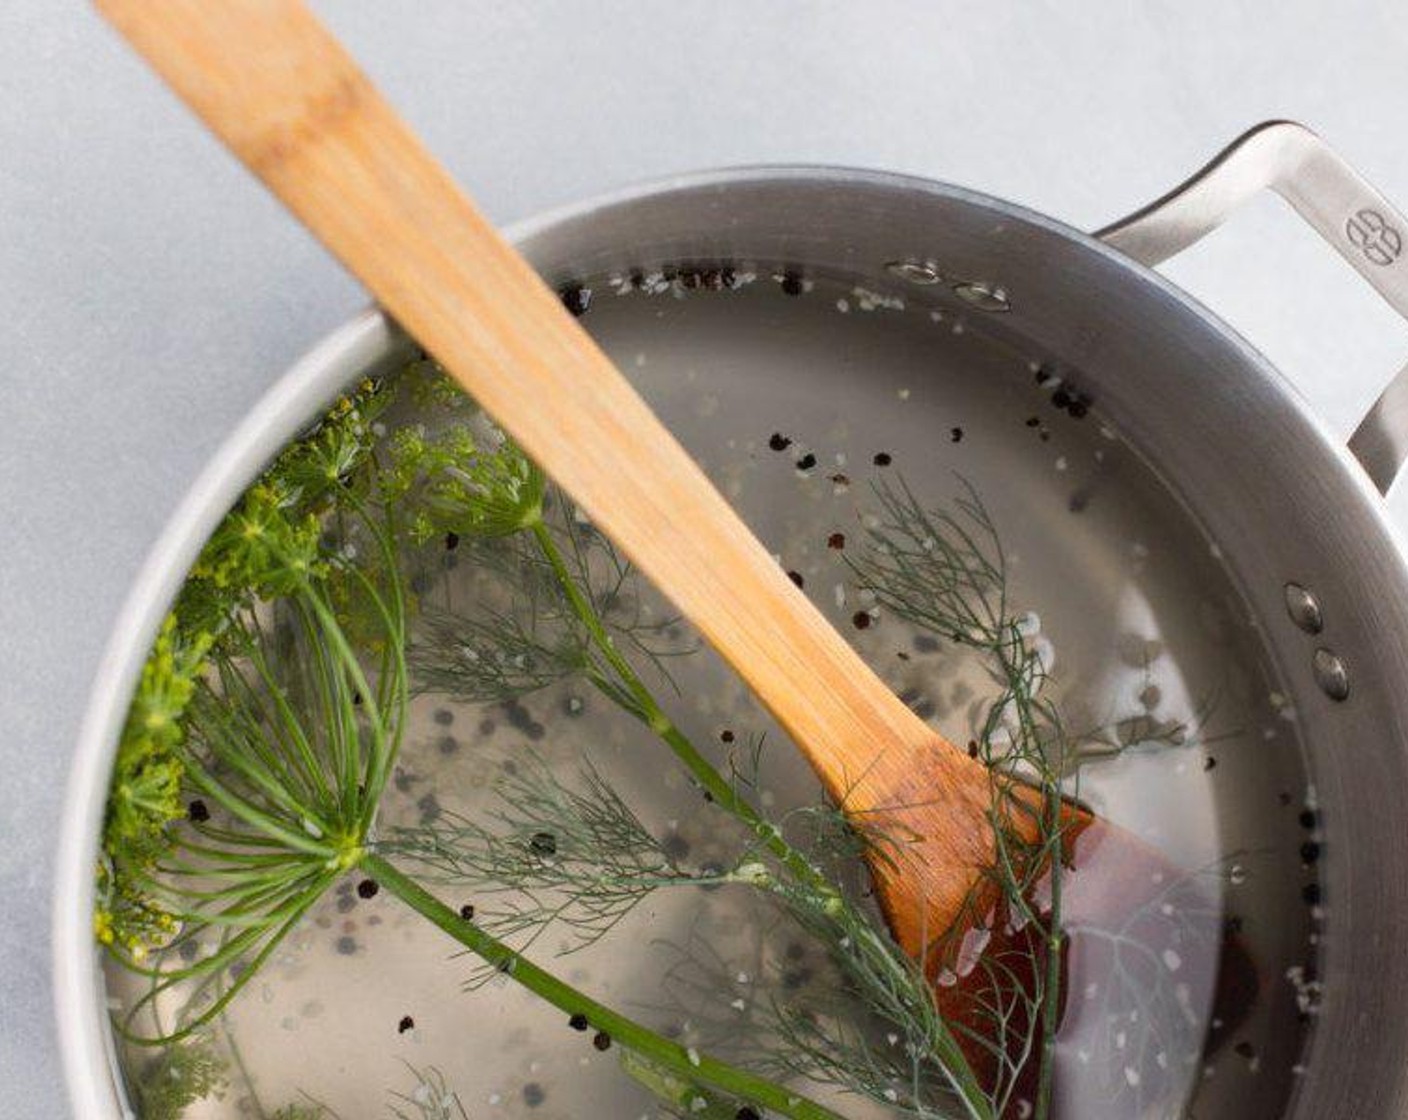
(915,272)
(1304,608)
(1330,674)
(982,295)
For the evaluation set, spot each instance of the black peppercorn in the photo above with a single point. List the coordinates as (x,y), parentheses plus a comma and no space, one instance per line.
(576,299)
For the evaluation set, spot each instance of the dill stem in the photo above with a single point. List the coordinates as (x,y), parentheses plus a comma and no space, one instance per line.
(824,896)
(1053,805)
(238,1057)
(1051,1003)
(710,780)
(662,1052)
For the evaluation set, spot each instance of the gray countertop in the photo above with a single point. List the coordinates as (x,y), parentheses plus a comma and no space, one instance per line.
(154,290)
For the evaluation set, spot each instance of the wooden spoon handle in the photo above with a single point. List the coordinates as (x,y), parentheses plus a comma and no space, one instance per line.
(285,97)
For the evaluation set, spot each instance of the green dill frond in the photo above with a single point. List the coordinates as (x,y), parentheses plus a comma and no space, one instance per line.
(745,765)
(532,622)
(270,715)
(903,1053)
(613,593)
(518,635)
(495,656)
(269,545)
(168,1083)
(331,456)
(264,548)
(288,748)
(942,570)
(292,722)
(145,793)
(466,479)
(551,852)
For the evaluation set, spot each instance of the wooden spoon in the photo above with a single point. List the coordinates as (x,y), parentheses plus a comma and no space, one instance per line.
(285,97)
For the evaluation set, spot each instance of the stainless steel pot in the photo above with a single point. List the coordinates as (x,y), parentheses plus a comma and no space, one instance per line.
(1298,517)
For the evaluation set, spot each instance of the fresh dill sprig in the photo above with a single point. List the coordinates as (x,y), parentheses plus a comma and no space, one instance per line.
(292,726)
(767,861)
(924,1072)
(169,1082)
(553,853)
(288,748)
(495,655)
(523,633)
(467,478)
(276,698)
(944,570)
(266,545)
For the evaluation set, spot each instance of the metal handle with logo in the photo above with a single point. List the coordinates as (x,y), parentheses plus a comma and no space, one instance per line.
(1361,225)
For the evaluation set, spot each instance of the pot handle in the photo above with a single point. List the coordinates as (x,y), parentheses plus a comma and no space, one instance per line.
(1358,222)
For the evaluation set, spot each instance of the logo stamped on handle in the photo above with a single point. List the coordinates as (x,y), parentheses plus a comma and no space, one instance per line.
(1372,235)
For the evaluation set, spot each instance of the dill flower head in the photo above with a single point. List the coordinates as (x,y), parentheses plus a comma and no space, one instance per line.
(269,545)
(265,547)
(329,458)
(464,482)
(145,796)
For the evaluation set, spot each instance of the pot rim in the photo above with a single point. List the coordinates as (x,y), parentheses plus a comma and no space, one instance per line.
(284,409)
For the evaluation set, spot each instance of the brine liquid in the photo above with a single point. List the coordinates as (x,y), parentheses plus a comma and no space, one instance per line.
(794,397)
